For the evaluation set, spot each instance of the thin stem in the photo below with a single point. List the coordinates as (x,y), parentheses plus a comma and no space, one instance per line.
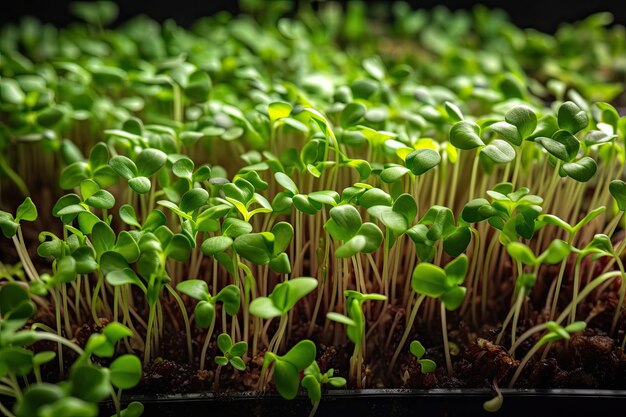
(407,330)
(446,345)
(205,346)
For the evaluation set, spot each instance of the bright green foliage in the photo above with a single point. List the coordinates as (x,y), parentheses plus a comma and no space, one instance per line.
(229,296)
(436,282)
(314,379)
(418,350)
(355,320)
(282,298)
(231,353)
(287,368)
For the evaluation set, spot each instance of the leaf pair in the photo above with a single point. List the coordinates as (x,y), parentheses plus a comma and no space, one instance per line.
(345,225)
(27,211)
(418,350)
(287,367)
(465,135)
(229,296)
(231,353)
(146,164)
(283,297)
(355,320)
(314,379)
(444,283)
(397,217)
(438,224)
(265,247)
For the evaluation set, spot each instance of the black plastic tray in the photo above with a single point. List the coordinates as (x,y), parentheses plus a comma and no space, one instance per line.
(390,402)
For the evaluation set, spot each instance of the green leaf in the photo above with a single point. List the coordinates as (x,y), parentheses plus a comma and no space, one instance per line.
(617,189)
(499,151)
(216,244)
(283,232)
(297,289)
(453,111)
(286,379)
(194,288)
(278,110)
(90,383)
(582,170)
(221,360)
(238,364)
(128,215)
(15,302)
(253,247)
(458,241)
(204,313)
(352,114)
(453,298)
(230,296)
(351,247)
(427,366)
(313,388)
(417,349)
(508,132)
(340,318)
(10,91)
(125,371)
(264,307)
(114,332)
(149,161)
(456,269)
(140,185)
(36,397)
(523,118)
(103,237)
(422,160)
(301,355)
(224,342)
(239,349)
(344,223)
(134,409)
(66,269)
(280,264)
(99,13)
(123,166)
(101,199)
(16,360)
(521,253)
(563,145)
(193,199)
(393,174)
(69,407)
(8,225)
(85,260)
(572,118)
(429,279)
(286,182)
(183,168)
(124,276)
(26,211)
(464,135)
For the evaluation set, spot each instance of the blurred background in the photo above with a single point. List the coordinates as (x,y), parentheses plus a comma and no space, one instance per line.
(544,15)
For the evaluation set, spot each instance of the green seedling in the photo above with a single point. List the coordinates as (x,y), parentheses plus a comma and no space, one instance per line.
(282,299)
(445,284)
(418,350)
(231,354)
(205,309)
(355,328)
(287,368)
(314,380)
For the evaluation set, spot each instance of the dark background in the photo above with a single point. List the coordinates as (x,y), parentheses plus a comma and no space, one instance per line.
(544,15)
